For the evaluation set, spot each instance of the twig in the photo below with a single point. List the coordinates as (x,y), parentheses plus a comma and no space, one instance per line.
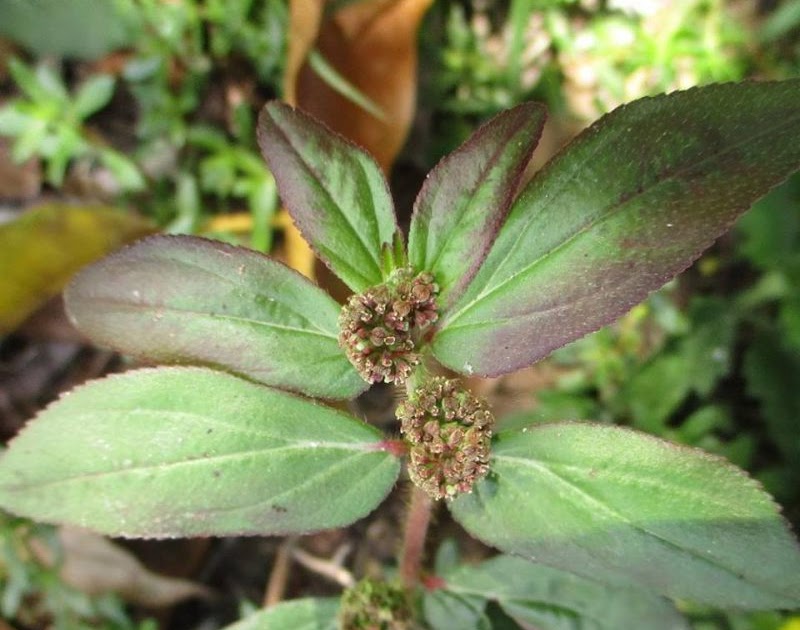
(276,587)
(331,569)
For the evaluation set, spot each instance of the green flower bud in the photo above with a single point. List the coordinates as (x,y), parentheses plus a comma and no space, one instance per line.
(449,431)
(380,328)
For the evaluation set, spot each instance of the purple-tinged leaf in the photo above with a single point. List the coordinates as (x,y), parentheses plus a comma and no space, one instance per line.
(193,452)
(623,507)
(629,204)
(465,198)
(334,191)
(183,299)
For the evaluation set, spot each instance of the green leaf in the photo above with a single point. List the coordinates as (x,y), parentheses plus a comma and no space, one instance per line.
(445,610)
(703,423)
(183,299)
(780,22)
(550,599)
(629,204)
(465,198)
(708,347)
(296,614)
(193,452)
(40,84)
(93,95)
(654,393)
(623,507)
(122,168)
(770,232)
(46,245)
(33,140)
(84,29)
(334,191)
(448,556)
(772,371)
(14,120)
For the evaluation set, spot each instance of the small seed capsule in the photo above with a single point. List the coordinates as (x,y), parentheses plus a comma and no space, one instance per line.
(449,431)
(378,328)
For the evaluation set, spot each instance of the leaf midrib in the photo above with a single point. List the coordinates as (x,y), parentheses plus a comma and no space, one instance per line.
(345,219)
(191,461)
(501,598)
(308,481)
(139,306)
(245,288)
(491,163)
(618,475)
(590,499)
(177,415)
(600,217)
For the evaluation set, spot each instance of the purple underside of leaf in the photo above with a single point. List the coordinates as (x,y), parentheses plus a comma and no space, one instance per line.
(186,300)
(465,198)
(333,190)
(633,201)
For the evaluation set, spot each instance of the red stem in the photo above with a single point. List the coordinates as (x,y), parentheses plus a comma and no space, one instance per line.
(418,518)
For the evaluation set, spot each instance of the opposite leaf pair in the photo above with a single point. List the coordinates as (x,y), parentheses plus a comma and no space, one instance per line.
(630,203)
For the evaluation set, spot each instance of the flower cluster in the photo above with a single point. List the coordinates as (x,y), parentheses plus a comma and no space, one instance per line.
(375,605)
(380,328)
(449,431)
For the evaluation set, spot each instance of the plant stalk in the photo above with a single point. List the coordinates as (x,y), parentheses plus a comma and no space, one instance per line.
(418,519)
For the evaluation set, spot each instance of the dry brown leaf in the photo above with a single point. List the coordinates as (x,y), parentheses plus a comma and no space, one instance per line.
(372,44)
(42,248)
(305,17)
(95,565)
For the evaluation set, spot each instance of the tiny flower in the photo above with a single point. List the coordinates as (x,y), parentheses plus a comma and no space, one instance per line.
(449,430)
(380,328)
(375,605)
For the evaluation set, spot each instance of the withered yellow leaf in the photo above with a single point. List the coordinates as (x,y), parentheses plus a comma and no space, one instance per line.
(42,249)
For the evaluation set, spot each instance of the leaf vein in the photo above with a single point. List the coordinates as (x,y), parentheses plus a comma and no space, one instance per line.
(603,215)
(309,168)
(162,466)
(590,499)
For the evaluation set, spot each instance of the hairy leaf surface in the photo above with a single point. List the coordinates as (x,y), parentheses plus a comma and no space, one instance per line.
(623,507)
(465,198)
(193,452)
(334,191)
(182,299)
(296,614)
(551,599)
(629,204)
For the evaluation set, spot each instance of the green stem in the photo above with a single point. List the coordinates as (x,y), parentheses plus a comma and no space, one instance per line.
(418,519)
